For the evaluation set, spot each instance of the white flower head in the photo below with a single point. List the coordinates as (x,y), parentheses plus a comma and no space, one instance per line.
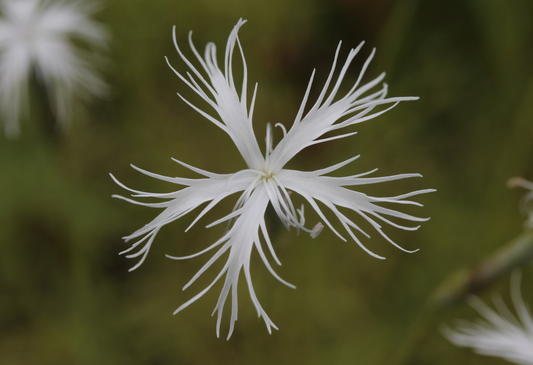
(266,180)
(526,203)
(500,333)
(36,37)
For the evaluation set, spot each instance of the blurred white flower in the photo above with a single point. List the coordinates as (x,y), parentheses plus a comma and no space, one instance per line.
(499,333)
(36,37)
(265,180)
(526,203)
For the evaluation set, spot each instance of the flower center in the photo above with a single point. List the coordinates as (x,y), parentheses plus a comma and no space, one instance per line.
(267,176)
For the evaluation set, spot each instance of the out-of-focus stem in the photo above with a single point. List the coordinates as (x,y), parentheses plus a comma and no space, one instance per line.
(467,281)
(460,284)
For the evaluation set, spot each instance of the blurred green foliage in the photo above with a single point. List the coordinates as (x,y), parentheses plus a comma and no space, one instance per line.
(66,296)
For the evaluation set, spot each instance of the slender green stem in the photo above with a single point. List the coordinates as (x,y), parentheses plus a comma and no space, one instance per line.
(459,285)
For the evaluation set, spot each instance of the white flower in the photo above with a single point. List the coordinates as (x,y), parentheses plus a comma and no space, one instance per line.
(36,37)
(526,203)
(265,180)
(500,333)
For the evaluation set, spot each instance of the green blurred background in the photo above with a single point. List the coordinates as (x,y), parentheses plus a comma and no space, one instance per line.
(66,296)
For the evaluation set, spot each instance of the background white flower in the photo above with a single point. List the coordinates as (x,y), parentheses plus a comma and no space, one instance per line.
(526,203)
(36,37)
(265,180)
(499,333)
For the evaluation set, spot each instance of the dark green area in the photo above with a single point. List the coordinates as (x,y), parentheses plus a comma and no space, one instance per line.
(66,297)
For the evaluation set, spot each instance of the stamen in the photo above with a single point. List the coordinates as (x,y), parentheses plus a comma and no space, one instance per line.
(317,229)
(283,128)
(268,140)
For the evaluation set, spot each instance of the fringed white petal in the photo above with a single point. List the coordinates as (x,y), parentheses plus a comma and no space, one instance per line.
(326,115)
(239,242)
(37,35)
(499,333)
(181,202)
(230,105)
(331,192)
